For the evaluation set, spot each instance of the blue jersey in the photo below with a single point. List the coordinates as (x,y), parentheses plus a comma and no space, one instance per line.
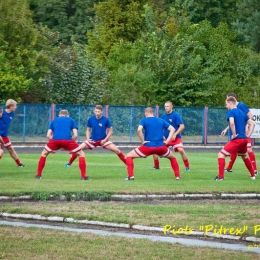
(173,119)
(153,131)
(243,107)
(62,127)
(240,119)
(5,122)
(98,127)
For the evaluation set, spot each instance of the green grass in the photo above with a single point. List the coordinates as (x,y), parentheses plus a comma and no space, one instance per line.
(108,173)
(179,214)
(32,243)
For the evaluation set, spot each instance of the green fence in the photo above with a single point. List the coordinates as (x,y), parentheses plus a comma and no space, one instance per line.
(202,125)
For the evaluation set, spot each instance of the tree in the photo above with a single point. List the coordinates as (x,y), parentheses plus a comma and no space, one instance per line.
(74,77)
(72,19)
(248,23)
(115,21)
(20,49)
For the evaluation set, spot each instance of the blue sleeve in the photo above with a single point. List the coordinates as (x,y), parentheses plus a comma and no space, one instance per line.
(108,124)
(88,124)
(178,119)
(74,125)
(51,126)
(141,122)
(165,125)
(243,107)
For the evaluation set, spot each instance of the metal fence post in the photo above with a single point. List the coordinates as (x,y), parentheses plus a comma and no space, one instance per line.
(24,125)
(131,124)
(205,126)
(156,110)
(79,120)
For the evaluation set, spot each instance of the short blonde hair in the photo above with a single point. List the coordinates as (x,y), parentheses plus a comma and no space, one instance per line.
(64,112)
(10,102)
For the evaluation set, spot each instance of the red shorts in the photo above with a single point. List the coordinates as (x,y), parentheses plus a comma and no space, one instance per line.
(176,143)
(97,143)
(249,144)
(144,151)
(7,141)
(69,145)
(238,146)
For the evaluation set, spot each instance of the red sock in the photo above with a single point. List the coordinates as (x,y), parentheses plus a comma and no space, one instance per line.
(41,165)
(252,159)
(18,162)
(156,163)
(231,161)
(72,158)
(130,166)
(82,167)
(186,163)
(249,166)
(221,166)
(122,157)
(175,167)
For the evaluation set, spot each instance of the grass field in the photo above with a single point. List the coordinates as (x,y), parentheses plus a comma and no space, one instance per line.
(108,173)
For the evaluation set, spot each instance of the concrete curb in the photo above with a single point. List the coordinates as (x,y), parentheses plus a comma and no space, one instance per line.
(144,197)
(160,230)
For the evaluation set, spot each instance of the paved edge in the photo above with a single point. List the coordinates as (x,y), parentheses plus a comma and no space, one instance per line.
(144,197)
(161,230)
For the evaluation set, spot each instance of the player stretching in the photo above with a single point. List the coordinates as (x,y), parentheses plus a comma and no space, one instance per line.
(250,152)
(238,143)
(59,135)
(5,121)
(99,130)
(175,120)
(152,143)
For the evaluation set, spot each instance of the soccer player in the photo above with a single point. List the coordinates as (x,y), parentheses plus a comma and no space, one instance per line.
(1,140)
(98,132)
(152,143)
(250,152)
(59,135)
(175,120)
(5,121)
(238,144)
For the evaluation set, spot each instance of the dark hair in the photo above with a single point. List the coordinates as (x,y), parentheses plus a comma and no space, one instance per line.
(232,94)
(231,99)
(99,107)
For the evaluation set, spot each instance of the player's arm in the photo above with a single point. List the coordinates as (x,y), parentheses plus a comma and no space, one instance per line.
(140,134)
(224,131)
(171,134)
(250,115)
(74,134)
(1,142)
(49,134)
(180,129)
(232,127)
(251,124)
(88,135)
(109,134)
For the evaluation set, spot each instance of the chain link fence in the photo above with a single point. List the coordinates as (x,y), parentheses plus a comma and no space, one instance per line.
(202,125)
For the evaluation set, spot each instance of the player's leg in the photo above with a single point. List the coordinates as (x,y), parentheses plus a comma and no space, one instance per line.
(82,165)
(156,162)
(232,160)
(249,166)
(221,165)
(252,158)
(73,156)
(1,153)
(174,164)
(135,153)
(111,147)
(184,158)
(14,155)
(41,163)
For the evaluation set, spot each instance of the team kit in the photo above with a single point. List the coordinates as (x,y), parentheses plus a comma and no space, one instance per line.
(157,136)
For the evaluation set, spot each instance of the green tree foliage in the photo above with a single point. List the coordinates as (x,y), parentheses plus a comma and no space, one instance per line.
(195,64)
(215,11)
(115,20)
(70,18)
(248,23)
(74,77)
(20,49)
